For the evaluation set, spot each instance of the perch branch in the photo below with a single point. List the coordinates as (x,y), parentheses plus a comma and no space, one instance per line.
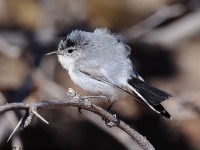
(74,100)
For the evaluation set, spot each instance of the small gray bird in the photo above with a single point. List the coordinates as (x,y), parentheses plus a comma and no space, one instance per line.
(99,63)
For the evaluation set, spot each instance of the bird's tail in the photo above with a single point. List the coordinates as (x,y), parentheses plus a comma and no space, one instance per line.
(150,95)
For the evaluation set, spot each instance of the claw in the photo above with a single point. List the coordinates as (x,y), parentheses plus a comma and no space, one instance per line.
(111,123)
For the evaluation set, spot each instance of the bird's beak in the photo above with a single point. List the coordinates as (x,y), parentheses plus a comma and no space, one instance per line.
(54,52)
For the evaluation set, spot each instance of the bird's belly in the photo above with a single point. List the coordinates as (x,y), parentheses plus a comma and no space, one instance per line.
(92,85)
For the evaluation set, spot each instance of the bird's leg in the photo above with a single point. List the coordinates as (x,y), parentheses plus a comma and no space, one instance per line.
(74,95)
(79,110)
(109,106)
(90,97)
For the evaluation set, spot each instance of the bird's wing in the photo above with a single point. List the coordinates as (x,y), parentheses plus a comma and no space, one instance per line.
(143,91)
(96,74)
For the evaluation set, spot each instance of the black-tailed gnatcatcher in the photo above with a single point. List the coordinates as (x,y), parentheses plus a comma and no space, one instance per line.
(99,63)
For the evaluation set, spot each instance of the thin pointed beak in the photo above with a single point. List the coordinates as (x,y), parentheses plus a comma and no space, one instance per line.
(54,52)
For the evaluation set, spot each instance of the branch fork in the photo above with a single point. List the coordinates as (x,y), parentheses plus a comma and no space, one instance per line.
(74,100)
(26,120)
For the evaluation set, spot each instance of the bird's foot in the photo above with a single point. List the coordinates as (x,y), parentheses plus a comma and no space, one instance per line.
(111,123)
(85,98)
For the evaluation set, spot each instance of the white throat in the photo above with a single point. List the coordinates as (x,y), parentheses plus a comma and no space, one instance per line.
(66,62)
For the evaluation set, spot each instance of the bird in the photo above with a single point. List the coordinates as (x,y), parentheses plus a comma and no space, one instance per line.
(99,63)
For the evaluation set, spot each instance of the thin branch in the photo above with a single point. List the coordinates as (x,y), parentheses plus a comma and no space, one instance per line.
(17,126)
(39,116)
(185,28)
(153,20)
(74,100)
(8,122)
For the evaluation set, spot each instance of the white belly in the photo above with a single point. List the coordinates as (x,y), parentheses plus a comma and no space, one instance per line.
(93,85)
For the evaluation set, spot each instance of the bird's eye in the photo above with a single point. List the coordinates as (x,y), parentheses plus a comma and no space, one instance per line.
(70,51)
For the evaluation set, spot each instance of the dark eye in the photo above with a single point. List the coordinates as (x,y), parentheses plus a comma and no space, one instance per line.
(70,51)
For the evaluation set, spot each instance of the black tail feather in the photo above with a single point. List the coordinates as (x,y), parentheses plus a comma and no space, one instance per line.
(162,111)
(153,95)
(150,95)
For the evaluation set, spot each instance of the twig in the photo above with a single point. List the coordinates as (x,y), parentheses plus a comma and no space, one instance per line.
(153,20)
(75,101)
(17,126)
(8,122)
(185,28)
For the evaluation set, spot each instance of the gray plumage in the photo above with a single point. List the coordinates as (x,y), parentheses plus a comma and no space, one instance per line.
(99,63)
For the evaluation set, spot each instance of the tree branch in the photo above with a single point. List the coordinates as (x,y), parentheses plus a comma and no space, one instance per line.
(74,100)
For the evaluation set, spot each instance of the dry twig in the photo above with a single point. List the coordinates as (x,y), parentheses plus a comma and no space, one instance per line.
(185,28)
(153,21)
(75,101)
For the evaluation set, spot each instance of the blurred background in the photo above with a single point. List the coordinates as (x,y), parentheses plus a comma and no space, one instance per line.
(165,39)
